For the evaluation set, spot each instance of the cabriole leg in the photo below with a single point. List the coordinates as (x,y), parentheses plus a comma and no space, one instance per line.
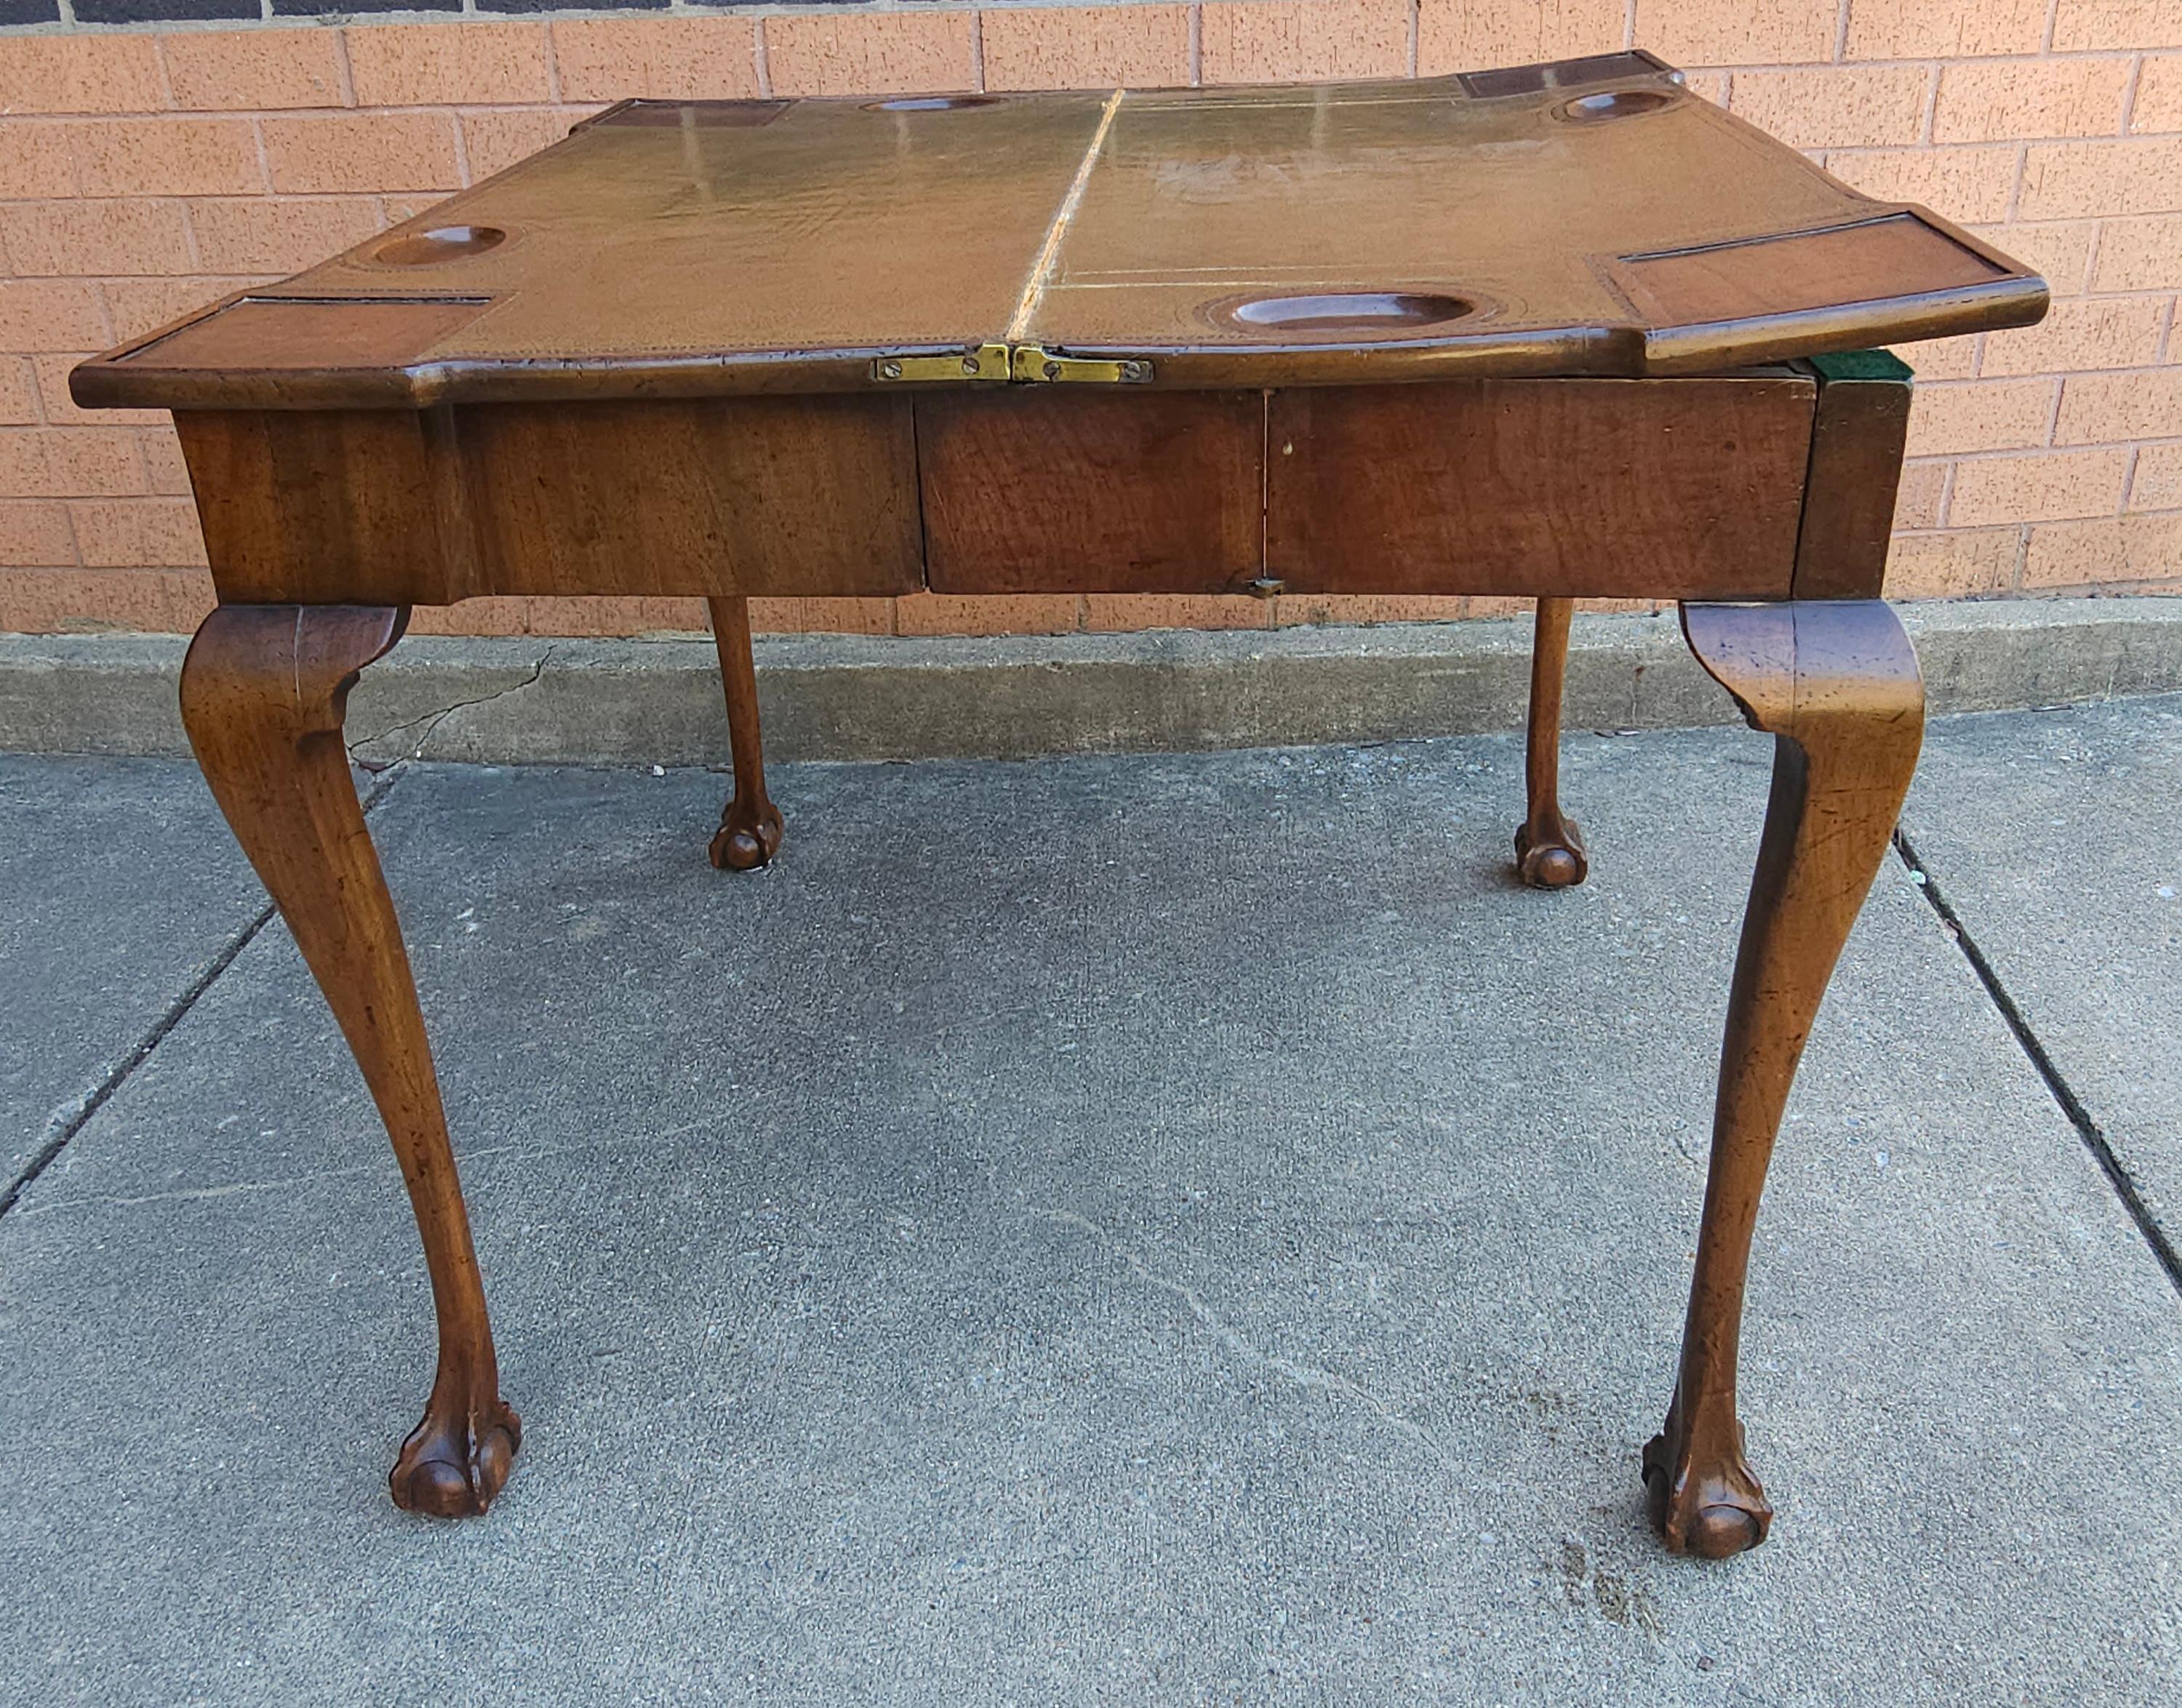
(263,690)
(1835,684)
(1549,847)
(749,826)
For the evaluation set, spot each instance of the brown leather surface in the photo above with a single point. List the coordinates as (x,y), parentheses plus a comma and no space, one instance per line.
(1599,219)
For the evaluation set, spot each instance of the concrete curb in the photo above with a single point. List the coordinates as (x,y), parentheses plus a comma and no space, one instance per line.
(656,701)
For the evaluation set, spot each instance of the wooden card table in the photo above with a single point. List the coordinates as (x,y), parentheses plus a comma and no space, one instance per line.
(1558,330)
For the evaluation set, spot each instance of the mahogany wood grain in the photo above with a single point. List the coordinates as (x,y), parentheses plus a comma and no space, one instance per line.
(795,495)
(1090,489)
(751,829)
(1550,488)
(263,692)
(767,496)
(1549,851)
(1835,684)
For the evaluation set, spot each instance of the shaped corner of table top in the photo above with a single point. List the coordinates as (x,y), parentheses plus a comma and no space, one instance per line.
(1582,217)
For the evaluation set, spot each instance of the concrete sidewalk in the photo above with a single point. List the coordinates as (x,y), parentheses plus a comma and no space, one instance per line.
(1175,1229)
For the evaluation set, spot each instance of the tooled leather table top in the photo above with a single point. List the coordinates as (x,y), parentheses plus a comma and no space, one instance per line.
(1589,217)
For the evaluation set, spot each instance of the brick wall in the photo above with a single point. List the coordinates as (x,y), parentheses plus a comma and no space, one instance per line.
(148,167)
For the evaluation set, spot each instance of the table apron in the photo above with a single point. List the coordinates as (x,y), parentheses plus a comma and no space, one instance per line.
(1662,489)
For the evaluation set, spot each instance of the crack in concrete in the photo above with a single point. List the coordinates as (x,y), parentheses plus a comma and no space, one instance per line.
(435,718)
(2087,1128)
(72,1116)
(1305,1376)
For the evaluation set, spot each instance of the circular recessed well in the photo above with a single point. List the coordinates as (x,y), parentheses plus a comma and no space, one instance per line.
(1612,103)
(930,103)
(440,243)
(1342,314)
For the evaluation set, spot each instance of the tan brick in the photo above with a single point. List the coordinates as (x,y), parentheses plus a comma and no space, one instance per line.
(2057,251)
(1979,415)
(1917,499)
(2088,25)
(72,601)
(1953,565)
(33,534)
(1967,184)
(2158,482)
(50,370)
(2006,100)
(138,533)
(466,64)
(1836,107)
(2043,487)
(36,161)
(2158,104)
(395,209)
(822,615)
(363,151)
(496,616)
(57,238)
(69,463)
(2111,408)
(1003,614)
(2076,181)
(1312,610)
(1712,86)
(869,53)
(1758,32)
(496,141)
(2139,254)
(657,59)
(1109,613)
(1466,35)
(139,306)
(81,74)
(1942,29)
(163,466)
(166,157)
(1086,47)
(50,314)
(1941,358)
(2085,554)
(274,234)
(620,616)
(1283,41)
(19,395)
(250,70)
(2084,332)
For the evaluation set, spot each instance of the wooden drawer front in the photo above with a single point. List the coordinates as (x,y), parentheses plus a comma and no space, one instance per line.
(1080,489)
(793,495)
(1595,488)
(761,495)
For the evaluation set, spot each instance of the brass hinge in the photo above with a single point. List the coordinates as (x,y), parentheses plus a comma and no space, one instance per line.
(986,362)
(1030,363)
(1035,362)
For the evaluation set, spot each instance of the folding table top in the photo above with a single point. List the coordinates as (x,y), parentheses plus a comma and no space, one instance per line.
(1587,216)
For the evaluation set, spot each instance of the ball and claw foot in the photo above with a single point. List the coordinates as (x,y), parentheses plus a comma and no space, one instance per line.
(456,1460)
(1711,1509)
(1552,862)
(746,840)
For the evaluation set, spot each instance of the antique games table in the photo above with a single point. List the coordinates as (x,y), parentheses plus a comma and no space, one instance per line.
(1558,330)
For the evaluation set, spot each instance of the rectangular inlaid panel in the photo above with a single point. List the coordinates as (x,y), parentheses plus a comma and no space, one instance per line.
(1874,258)
(1077,489)
(1593,488)
(767,496)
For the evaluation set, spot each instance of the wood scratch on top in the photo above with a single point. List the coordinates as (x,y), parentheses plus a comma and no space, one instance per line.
(1042,269)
